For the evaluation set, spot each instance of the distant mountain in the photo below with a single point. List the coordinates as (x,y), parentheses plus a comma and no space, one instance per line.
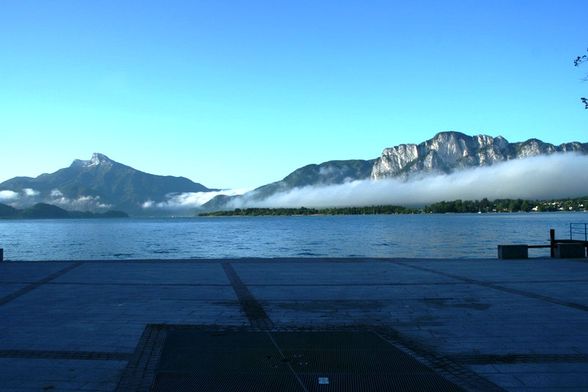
(7,211)
(48,211)
(97,185)
(450,151)
(327,173)
(444,153)
(100,183)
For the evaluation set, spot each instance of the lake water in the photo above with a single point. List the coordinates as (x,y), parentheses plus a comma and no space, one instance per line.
(428,236)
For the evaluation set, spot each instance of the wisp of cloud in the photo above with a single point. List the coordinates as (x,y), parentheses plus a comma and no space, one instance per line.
(543,177)
(8,195)
(190,200)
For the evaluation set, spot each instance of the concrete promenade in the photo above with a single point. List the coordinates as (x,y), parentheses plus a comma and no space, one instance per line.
(516,325)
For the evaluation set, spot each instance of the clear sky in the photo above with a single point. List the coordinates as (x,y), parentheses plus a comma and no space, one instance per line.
(240,93)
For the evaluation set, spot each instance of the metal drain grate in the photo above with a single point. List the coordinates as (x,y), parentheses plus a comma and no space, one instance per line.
(198,359)
(353,361)
(428,382)
(167,382)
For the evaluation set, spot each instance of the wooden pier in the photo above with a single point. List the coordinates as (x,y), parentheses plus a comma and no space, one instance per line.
(559,248)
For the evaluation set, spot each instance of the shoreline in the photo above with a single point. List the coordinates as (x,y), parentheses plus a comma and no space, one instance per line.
(286,259)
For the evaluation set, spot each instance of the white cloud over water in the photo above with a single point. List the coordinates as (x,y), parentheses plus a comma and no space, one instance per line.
(82,203)
(56,193)
(7,195)
(543,177)
(28,196)
(30,192)
(190,200)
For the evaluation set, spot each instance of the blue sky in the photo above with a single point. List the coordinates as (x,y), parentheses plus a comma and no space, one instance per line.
(240,93)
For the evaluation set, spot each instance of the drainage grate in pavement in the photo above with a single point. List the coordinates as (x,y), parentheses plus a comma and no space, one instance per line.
(353,361)
(194,359)
(330,340)
(166,382)
(424,382)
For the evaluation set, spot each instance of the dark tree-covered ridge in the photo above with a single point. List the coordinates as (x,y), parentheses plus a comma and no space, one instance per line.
(49,211)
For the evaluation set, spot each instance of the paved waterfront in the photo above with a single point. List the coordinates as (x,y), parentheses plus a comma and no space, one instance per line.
(519,325)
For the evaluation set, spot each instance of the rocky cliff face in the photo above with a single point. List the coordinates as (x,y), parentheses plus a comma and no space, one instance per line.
(449,151)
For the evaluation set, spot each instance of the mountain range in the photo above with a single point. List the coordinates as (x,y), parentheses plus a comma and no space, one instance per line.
(100,184)
(445,153)
(450,151)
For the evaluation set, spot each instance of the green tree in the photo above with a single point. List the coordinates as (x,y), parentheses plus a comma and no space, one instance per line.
(514,205)
(525,206)
(485,205)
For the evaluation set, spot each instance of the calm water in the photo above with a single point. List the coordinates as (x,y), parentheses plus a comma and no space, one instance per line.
(451,235)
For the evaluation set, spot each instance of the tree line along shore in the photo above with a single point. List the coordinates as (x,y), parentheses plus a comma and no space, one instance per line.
(443,207)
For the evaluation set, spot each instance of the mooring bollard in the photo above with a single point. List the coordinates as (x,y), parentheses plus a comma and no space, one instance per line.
(552,241)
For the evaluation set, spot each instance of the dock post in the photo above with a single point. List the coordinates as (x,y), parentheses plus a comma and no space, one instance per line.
(1,254)
(552,241)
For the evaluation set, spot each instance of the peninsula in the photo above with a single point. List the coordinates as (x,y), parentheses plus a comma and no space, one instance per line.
(48,211)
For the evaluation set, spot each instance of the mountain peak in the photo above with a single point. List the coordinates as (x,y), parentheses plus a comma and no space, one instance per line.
(96,160)
(450,134)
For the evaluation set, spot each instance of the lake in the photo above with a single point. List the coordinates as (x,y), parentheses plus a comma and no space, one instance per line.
(424,235)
